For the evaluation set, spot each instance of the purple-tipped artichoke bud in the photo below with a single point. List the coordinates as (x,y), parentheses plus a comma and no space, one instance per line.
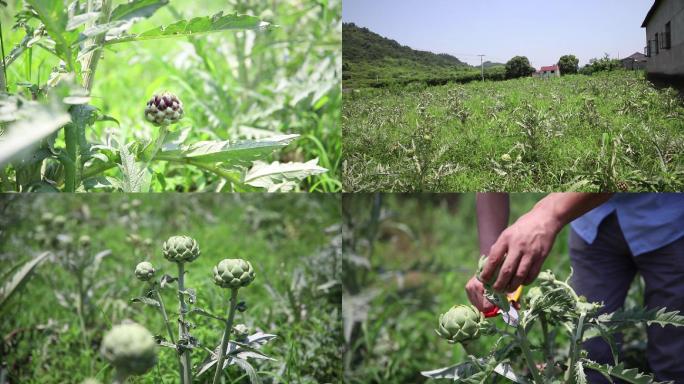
(164,109)
(144,271)
(181,249)
(461,323)
(233,273)
(130,349)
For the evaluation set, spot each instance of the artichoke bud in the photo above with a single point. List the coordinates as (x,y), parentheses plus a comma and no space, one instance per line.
(233,273)
(461,323)
(84,241)
(241,332)
(480,267)
(181,249)
(144,271)
(164,109)
(130,349)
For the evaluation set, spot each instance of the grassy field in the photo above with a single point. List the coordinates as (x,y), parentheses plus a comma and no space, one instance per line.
(292,242)
(234,85)
(607,132)
(409,265)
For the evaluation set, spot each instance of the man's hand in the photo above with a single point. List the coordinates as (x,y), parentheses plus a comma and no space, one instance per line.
(475,291)
(525,245)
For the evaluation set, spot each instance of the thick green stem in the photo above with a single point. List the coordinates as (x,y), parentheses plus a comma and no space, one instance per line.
(574,351)
(226,335)
(70,167)
(93,58)
(547,346)
(186,361)
(162,309)
(527,352)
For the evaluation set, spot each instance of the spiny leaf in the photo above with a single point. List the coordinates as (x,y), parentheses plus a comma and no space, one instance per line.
(137,9)
(137,177)
(19,278)
(197,25)
(247,367)
(233,152)
(631,375)
(146,300)
(578,371)
(658,316)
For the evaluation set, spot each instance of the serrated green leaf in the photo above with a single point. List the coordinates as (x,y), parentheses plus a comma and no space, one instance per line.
(658,316)
(194,26)
(52,13)
(146,301)
(281,177)
(81,19)
(578,372)
(631,375)
(136,9)
(232,152)
(137,177)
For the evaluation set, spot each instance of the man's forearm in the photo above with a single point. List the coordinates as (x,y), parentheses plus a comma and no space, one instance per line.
(564,207)
(493,210)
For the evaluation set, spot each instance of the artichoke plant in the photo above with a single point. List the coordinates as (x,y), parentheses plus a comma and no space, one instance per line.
(181,249)
(144,271)
(164,109)
(130,349)
(233,273)
(461,323)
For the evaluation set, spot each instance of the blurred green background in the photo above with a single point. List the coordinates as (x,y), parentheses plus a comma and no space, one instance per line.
(293,242)
(404,269)
(242,84)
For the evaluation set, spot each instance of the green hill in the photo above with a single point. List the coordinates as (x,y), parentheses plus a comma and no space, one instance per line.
(371,60)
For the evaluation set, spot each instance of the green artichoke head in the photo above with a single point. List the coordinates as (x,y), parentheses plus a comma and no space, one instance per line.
(181,249)
(130,349)
(461,323)
(233,273)
(144,271)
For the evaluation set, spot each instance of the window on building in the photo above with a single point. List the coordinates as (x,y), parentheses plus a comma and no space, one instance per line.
(668,36)
(657,44)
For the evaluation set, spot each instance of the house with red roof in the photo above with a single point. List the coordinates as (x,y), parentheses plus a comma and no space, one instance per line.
(548,71)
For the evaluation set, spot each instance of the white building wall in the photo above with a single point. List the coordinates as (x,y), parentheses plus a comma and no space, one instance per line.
(667,61)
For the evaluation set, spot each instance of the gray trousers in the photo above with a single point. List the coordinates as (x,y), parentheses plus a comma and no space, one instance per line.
(604,271)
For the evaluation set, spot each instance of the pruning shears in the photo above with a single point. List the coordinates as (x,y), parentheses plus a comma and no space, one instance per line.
(511,317)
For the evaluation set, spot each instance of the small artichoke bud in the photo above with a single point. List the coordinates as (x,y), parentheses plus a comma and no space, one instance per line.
(506,157)
(46,218)
(461,323)
(241,332)
(144,271)
(59,221)
(546,277)
(233,273)
(181,249)
(84,241)
(130,348)
(91,380)
(164,109)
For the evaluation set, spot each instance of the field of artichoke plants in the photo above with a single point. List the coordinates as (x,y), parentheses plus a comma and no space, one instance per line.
(406,260)
(607,132)
(159,95)
(204,288)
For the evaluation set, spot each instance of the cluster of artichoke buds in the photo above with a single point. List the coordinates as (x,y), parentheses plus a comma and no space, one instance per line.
(164,109)
(461,323)
(233,273)
(130,348)
(180,249)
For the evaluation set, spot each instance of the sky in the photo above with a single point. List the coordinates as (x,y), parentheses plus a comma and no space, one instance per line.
(500,29)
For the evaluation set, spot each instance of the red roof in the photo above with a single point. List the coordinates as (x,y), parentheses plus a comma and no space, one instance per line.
(549,68)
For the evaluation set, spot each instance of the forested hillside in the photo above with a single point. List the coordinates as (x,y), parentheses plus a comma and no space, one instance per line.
(371,60)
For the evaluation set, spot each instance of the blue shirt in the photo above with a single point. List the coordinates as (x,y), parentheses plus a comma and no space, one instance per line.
(648,220)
